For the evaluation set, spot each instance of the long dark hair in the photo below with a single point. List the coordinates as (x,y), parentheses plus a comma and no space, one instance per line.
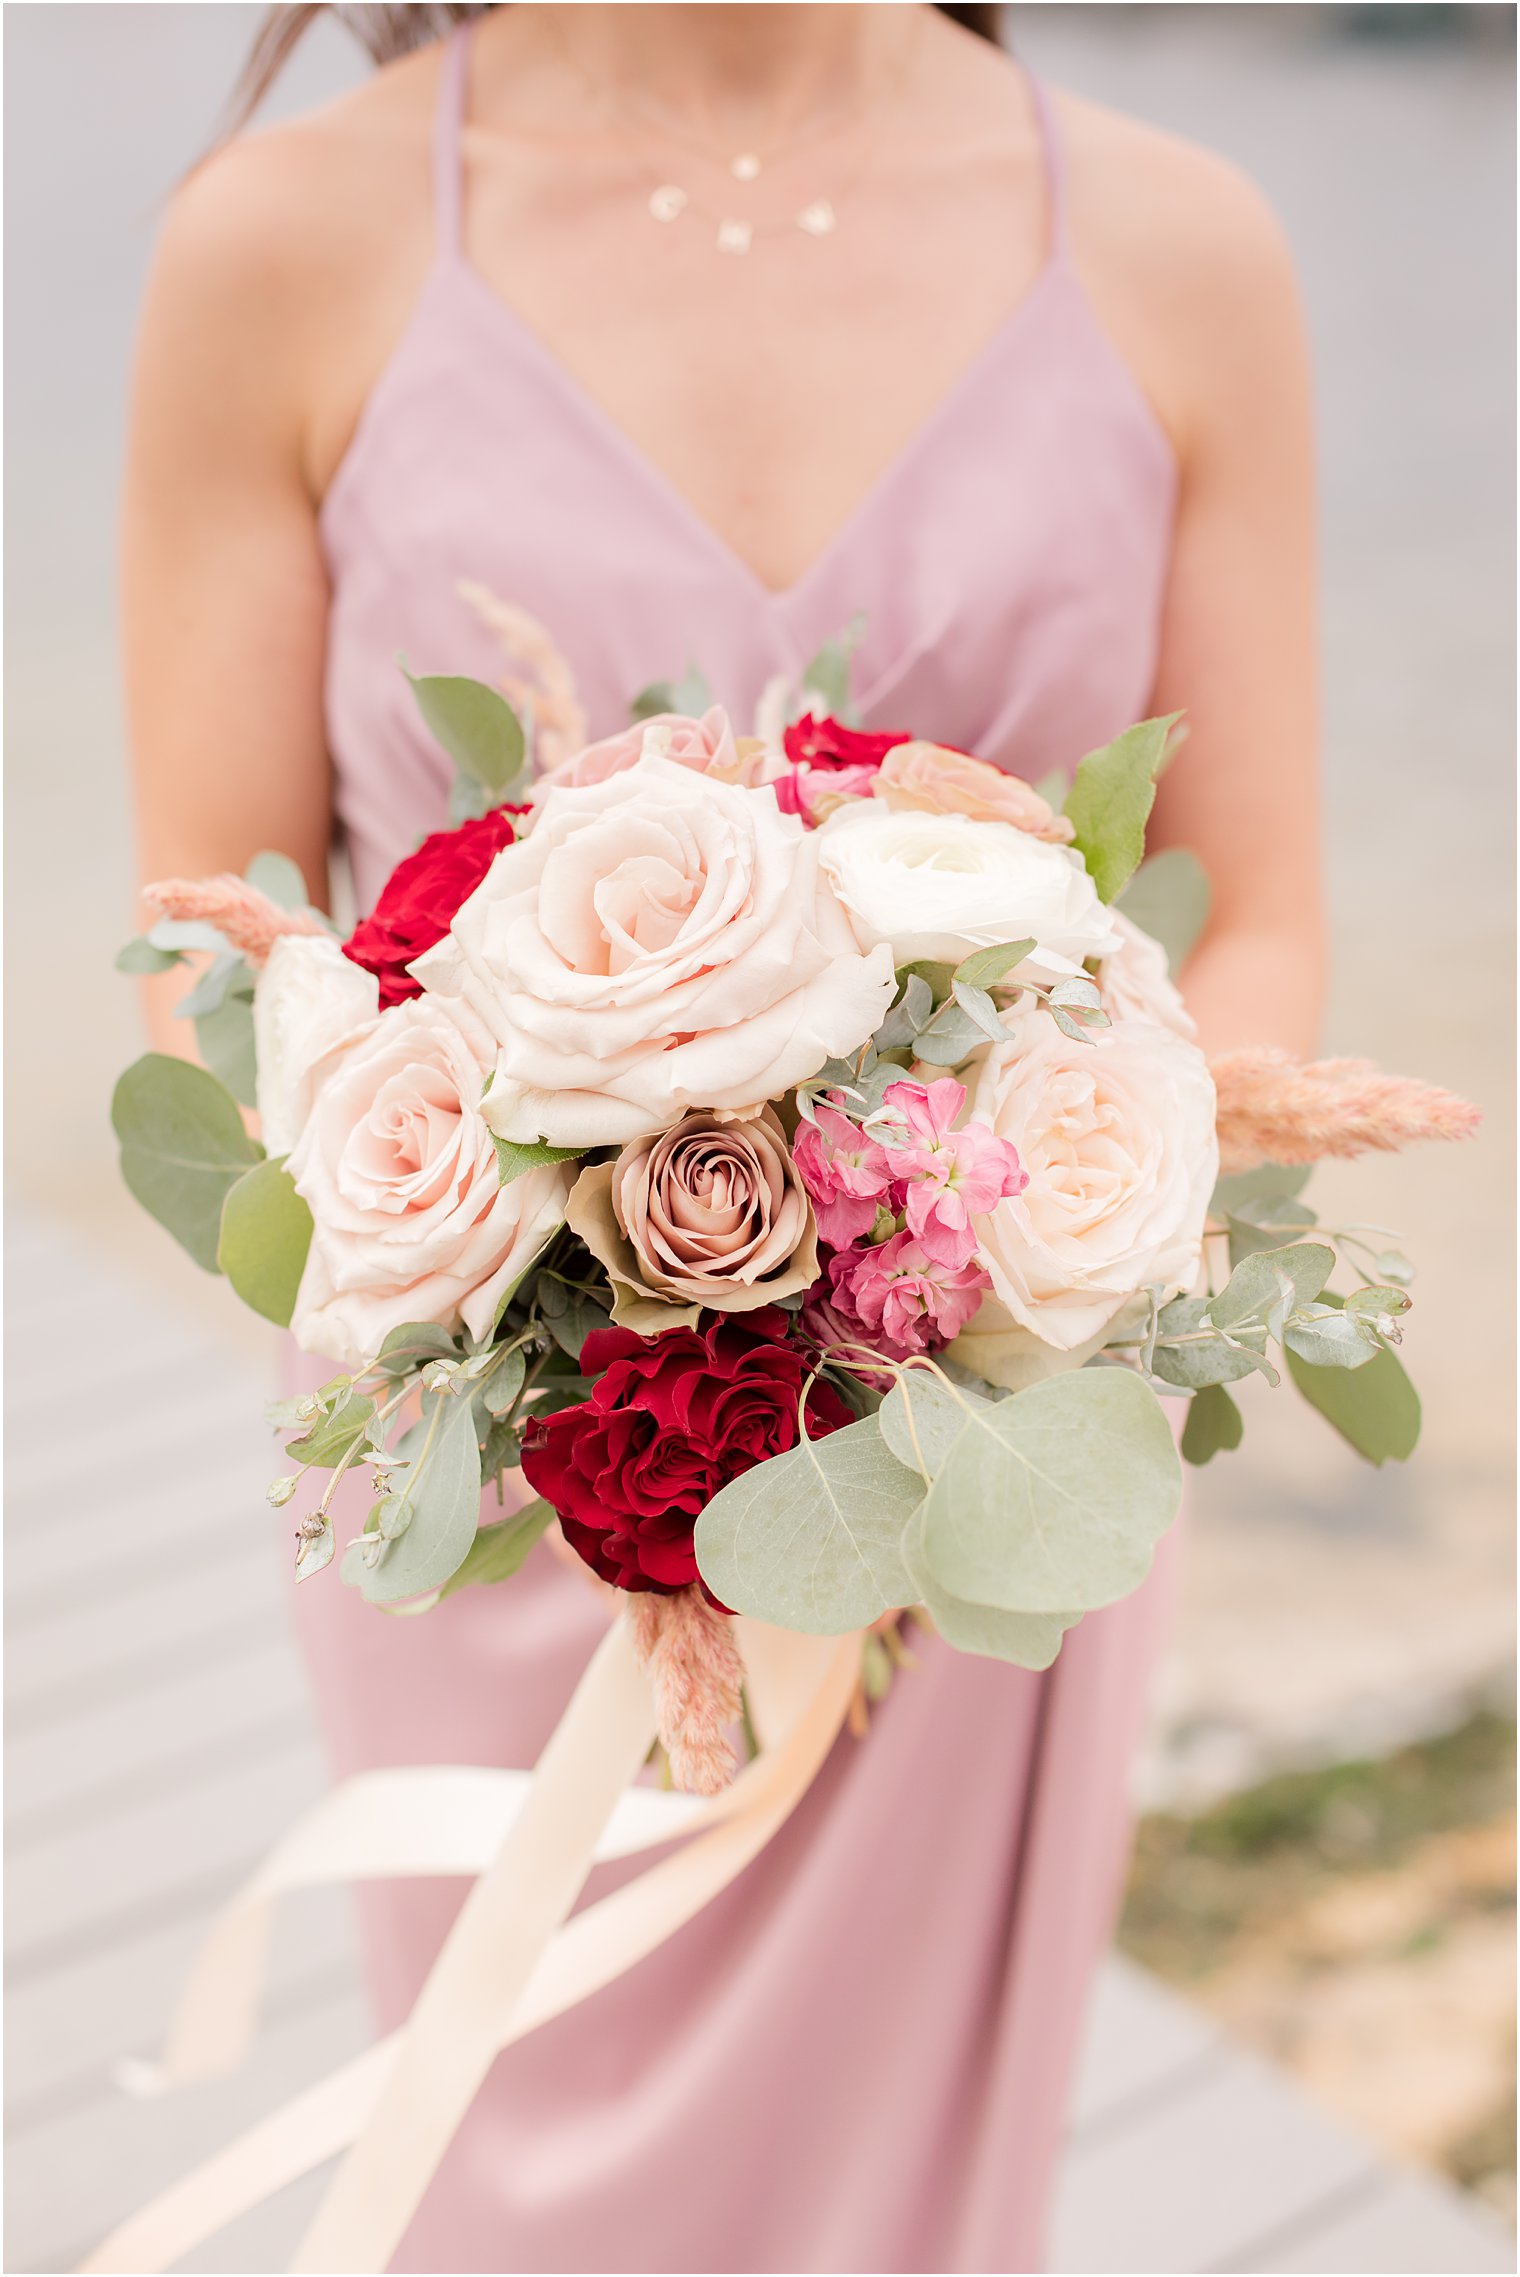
(386,33)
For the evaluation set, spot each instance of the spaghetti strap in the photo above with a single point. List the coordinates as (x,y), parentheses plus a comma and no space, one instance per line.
(448,124)
(1053,147)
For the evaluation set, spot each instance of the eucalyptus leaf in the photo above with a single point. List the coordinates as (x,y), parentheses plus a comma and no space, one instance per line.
(1074,1028)
(412,1346)
(827,674)
(922,1416)
(188,933)
(279,877)
(1254,1293)
(1213,1425)
(811,1540)
(505,1381)
(1168,897)
(985,967)
(183,1145)
(912,1011)
(1053,1501)
(143,956)
(1206,1358)
(226,972)
(1110,801)
(1268,1181)
(1376,1409)
(1028,1640)
(688,697)
(938,976)
(225,1040)
(442,1489)
(499,1551)
(315,1553)
(1394,1266)
(1379,1304)
(980,1010)
(516,1156)
(951,1036)
(1330,1339)
(265,1235)
(477,727)
(330,1439)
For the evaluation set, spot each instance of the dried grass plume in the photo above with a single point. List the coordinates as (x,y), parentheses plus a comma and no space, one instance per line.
(691,1654)
(1274,1108)
(248,918)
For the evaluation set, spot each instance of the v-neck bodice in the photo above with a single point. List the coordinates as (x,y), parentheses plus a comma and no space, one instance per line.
(1009,563)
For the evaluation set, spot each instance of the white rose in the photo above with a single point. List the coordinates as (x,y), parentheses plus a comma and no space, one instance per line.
(1117,1136)
(938,886)
(663,940)
(1136,984)
(410,1220)
(310,999)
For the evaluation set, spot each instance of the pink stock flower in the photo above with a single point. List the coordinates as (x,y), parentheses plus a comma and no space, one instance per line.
(904,1300)
(847,1175)
(946,1174)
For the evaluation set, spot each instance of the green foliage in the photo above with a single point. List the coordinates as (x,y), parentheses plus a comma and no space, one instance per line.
(477,728)
(922,1416)
(516,1156)
(279,877)
(183,1147)
(827,674)
(265,1235)
(1168,897)
(1053,1500)
(984,968)
(439,1496)
(1204,1357)
(499,1551)
(224,1038)
(1375,1408)
(1028,1640)
(412,1346)
(1268,1182)
(1269,1284)
(504,1382)
(1213,1425)
(1110,801)
(689,697)
(812,1539)
(142,955)
(344,1421)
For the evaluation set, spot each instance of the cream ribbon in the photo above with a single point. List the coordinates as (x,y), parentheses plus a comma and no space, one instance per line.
(512,1960)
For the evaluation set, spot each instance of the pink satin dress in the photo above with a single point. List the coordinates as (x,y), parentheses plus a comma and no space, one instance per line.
(857,2059)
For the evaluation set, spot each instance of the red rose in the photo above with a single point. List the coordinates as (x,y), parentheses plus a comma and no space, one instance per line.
(422,895)
(673,1418)
(810,742)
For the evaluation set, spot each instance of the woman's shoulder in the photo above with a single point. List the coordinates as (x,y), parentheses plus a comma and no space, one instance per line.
(277,202)
(1182,254)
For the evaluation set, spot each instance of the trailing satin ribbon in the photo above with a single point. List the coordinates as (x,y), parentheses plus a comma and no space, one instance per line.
(512,1960)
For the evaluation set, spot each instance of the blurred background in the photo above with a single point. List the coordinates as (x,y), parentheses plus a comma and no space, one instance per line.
(1326,1863)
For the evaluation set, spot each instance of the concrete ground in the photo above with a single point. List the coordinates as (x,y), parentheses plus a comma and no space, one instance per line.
(1328,1607)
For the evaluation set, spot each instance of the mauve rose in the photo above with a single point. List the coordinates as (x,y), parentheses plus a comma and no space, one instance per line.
(410,1220)
(421,895)
(670,1419)
(932,779)
(712,1212)
(659,941)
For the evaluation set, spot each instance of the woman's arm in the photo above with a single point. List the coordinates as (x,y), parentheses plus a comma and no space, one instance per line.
(1193,274)
(224,595)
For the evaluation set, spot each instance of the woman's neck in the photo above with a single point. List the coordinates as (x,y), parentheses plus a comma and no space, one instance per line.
(743,68)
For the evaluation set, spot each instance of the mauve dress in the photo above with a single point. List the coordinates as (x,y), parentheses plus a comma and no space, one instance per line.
(857,2058)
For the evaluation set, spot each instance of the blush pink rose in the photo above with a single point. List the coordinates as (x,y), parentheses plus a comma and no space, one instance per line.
(661,940)
(933,779)
(410,1220)
(707,744)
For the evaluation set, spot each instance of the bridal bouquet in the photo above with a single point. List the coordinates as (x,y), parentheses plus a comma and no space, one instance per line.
(791,1154)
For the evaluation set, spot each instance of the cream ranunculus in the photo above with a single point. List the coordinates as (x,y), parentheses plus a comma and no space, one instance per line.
(1135,983)
(940,885)
(1117,1136)
(310,1000)
(410,1220)
(661,941)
